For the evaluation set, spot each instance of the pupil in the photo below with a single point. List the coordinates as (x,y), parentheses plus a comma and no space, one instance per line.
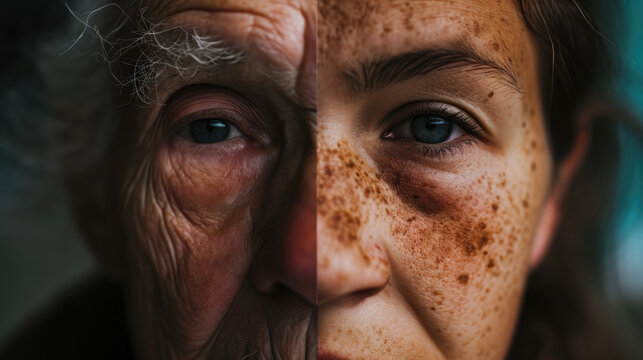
(431,129)
(209,131)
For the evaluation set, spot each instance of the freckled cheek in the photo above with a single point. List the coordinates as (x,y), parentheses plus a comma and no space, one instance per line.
(456,229)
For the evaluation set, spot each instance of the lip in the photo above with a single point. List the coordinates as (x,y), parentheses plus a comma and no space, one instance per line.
(329,356)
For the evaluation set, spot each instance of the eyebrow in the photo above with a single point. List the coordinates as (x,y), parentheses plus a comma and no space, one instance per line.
(378,73)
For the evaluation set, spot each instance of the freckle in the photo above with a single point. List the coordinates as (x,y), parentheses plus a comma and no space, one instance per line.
(494,207)
(533,166)
(476,27)
(482,226)
(524,124)
(491,263)
(496,46)
(463,279)
(484,240)
(469,248)
(490,94)
(534,144)
(525,203)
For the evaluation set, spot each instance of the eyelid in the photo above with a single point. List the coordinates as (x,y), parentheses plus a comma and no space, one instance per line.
(199,102)
(184,131)
(407,111)
(206,114)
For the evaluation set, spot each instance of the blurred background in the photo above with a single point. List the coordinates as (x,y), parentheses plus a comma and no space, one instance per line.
(42,254)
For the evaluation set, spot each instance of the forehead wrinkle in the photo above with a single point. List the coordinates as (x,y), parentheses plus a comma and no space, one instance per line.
(164,8)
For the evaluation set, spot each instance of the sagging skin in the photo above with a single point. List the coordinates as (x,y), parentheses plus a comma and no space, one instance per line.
(424,249)
(220,236)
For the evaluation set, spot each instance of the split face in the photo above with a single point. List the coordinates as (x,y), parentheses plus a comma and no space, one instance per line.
(366,182)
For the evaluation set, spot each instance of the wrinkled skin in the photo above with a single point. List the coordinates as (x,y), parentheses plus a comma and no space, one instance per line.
(220,237)
(423,250)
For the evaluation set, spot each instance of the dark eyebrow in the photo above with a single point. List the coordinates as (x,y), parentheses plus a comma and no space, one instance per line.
(378,73)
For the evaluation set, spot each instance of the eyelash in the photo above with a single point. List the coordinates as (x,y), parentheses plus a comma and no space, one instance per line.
(448,112)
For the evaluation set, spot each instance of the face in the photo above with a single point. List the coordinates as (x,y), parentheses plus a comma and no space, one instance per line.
(219,192)
(433,168)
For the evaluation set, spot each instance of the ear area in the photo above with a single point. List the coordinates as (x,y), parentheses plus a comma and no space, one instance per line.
(550,216)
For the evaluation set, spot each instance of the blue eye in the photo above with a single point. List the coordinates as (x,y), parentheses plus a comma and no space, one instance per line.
(209,131)
(427,129)
(431,129)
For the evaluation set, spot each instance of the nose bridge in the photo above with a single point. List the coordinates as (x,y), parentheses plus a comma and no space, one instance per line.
(349,257)
(289,257)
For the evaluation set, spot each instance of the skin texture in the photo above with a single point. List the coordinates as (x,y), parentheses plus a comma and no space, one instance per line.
(220,241)
(423,250)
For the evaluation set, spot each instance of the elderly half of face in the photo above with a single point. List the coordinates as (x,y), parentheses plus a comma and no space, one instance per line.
(433,170)
(218,185)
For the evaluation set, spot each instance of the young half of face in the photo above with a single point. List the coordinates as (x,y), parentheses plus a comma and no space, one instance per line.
(433,169)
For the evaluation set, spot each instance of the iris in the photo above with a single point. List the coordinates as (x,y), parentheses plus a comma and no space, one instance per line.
(431,129)
(209,131)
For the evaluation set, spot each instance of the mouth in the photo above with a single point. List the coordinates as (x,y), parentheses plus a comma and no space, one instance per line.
(287,326)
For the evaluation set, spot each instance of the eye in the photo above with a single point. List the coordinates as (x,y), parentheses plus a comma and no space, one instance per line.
(209,131)
(430,123)
(434,129)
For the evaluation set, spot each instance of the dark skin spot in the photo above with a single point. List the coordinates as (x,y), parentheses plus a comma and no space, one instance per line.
(490,94)
(423,196)
(463,279)
(476,27)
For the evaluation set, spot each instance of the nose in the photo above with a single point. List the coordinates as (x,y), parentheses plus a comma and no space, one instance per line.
(288,259)
(351,258)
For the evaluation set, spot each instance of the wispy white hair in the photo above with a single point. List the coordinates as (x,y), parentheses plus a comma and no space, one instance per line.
(84,70)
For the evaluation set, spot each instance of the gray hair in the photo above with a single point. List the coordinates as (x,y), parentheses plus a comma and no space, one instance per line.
(85,71)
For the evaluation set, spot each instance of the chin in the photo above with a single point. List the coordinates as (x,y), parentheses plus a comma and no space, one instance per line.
(260,326)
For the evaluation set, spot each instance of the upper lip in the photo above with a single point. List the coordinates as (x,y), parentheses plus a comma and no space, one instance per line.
(329,356)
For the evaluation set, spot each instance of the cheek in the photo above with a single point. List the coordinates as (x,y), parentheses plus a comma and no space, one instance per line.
(214,194)
(193,212)
(459,244)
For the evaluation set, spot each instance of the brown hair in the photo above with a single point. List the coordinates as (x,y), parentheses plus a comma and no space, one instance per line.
(563,316)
